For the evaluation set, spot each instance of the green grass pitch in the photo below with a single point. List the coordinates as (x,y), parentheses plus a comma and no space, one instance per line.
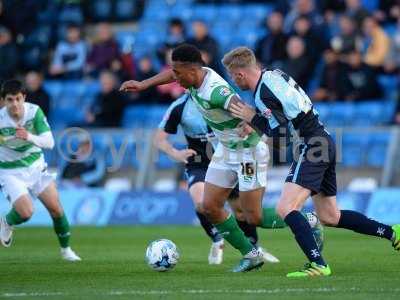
(113,267)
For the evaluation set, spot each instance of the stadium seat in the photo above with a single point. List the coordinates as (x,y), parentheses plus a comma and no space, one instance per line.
(71,14)
(206,13)
(369,113)
(120,149)
(124,10)
(377,148)
(353,149)
(101,10)
(135,116)
(370,5)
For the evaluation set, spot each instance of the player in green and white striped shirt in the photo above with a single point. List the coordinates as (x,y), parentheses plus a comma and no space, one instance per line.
(240,157)
(24,131)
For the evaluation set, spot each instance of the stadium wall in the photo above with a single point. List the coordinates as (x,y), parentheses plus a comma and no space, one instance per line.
(100,207)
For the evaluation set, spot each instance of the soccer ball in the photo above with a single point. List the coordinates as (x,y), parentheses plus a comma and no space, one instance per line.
(316,228)
(162,255)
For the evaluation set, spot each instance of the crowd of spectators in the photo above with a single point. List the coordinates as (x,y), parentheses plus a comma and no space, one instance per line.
(341,41)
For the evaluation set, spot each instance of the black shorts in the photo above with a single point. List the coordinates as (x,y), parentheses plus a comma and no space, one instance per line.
(315,168)
(194,175)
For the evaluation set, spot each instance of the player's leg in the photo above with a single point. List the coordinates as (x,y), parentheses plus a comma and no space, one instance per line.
(249,230)
(330,215)
(50,199)
(289,206)
(21,211)
(214,200)
(215,256)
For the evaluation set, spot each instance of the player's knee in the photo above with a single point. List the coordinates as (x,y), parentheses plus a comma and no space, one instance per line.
(199,208)
(25,213)
(282,210)
(56,212)
(254,219)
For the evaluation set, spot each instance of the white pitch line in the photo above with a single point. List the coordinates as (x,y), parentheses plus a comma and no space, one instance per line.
(201,291)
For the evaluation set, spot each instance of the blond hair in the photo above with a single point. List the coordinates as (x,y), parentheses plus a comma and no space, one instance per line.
(240,57)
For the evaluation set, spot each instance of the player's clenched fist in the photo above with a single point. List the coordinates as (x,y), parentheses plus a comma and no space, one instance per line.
(183,155)
(132,86)
(21,133)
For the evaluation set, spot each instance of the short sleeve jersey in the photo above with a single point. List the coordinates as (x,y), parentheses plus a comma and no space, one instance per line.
(14,152)
(212,100)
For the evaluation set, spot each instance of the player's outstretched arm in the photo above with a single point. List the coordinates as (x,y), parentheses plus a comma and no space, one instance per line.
(137,86)
(161,142)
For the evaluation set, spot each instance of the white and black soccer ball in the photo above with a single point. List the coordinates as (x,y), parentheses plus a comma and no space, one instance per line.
(162,255)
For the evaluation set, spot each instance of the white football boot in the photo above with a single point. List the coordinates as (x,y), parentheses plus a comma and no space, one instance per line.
(6,232)
(268,257)
(216,254)
(69,255)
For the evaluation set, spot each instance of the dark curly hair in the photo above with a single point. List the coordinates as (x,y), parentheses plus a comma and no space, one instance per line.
(187,53)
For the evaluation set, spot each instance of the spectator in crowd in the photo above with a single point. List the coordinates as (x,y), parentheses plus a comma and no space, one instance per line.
(85,168)
(105,53)
(314,45)
(204,42)
(19,16)
(109,105)
(271,47)
(145,71)
(332,75)
(355,10)
(304,8)
(176,35)
(70,55)
(359,82)
(35,92)
(8,55)
(388,11)
(171,91)
(392,62)
(397,114)
(297,65)
(377,43)
(348,39)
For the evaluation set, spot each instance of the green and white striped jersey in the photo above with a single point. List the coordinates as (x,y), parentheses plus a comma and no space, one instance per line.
(14,152)
(212,100)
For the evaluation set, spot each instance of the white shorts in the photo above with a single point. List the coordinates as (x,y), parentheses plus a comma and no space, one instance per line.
(22,181)
(248,167)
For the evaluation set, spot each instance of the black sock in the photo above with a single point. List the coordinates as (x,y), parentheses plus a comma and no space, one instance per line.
(250,231)
(209,228)
(304,236)
(359,223)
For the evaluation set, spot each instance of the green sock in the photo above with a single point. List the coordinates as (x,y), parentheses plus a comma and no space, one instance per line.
(13,218)
(61,227)
(271,219)
(232,233)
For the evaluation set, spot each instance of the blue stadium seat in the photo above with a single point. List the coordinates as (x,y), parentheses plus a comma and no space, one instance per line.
(229,13)
(100,10)
(370,113)
(377,148)
(257,12)
(206,13)
(323,111)
(120,150)
(156,113)
(389,84)
(353,149)
(124,10)
(71,14)
(370,5)
(135,116)
(340,114)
